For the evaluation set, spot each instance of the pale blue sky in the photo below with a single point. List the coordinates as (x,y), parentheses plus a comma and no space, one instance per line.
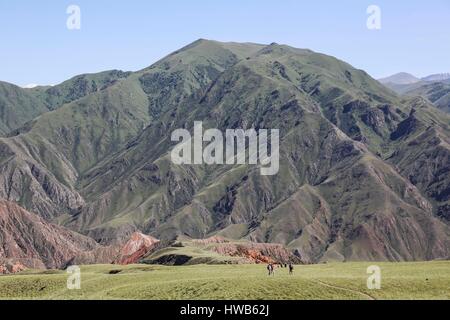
(36,46)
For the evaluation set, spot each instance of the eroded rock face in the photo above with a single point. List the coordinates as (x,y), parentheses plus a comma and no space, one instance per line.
(25,180)
(375,119)
(136,248)
(257,252)
(35,242)
(12,266)
(27,241)
(251,252)
(213,239)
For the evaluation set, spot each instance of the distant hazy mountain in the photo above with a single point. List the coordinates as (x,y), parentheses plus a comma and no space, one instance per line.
(364,174)
(437,77)
(30,86)
(436,88)
(404,78)
(401,78)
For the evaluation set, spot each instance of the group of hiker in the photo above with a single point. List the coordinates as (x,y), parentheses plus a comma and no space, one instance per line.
(271,268)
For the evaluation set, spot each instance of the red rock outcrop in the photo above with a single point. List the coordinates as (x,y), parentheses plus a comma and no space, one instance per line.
(27,238)
(136,248)
(250,252)
(28,241)
(213,239)
(256,252)
(11,267)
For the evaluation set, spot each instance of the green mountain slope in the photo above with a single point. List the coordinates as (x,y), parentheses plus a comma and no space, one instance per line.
(77,87)
(346,189)
(69,140)
(309,99)
(437,93)
(17,106)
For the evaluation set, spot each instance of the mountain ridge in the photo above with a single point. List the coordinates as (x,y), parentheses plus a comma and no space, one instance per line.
(435,88)
(400,78)
(405,78)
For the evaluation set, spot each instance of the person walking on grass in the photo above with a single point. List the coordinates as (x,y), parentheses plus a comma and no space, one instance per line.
(291,269)
(270,269)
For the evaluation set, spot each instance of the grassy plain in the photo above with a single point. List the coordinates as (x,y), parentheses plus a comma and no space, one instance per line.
(418,280)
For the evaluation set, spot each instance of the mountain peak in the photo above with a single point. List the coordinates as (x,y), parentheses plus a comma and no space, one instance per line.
(202,40)
(437,77)
(400,78)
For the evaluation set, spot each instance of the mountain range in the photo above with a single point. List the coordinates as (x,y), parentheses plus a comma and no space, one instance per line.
(364,171)
(407,78)
(435,88)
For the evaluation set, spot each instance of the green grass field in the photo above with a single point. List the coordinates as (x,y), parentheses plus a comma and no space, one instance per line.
(419,280)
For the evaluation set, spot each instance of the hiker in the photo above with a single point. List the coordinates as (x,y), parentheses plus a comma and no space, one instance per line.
(270,269)
(291,269)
